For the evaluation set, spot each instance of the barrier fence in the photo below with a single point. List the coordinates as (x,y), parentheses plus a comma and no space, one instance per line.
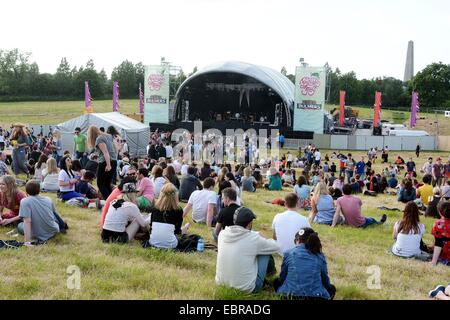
(352,142)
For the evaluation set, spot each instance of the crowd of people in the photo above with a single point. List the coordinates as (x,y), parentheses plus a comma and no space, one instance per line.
(140,200)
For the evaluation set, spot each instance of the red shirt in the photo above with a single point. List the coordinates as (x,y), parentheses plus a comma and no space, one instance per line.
(441,231)
(13,211)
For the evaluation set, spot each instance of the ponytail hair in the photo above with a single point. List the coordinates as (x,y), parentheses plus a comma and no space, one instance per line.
(310,238)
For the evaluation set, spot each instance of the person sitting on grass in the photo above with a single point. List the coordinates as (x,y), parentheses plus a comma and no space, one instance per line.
(67,180)
(41,222)
(408,235)
(441,233)
(115,194)
(322,205)
(446,190)
(189,184)
(167,219)
(440,292)
(304,272)
(288,179)
(225,216)
(40,166)
(10,199)
(85,188)
(275,183)
(145,186)
(50,176)
(393,182)
(123,219)
(407,192)
(334,193)
(248,182)
(350,207)
(285,225)
(356,187)
(203,204)
(157,179)
(426,191)
(431,210)
(303,192)
(243,255)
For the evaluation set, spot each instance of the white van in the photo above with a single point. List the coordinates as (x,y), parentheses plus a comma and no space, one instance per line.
(408,133)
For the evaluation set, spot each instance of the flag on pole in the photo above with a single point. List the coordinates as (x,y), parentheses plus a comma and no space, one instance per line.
(341,109)
(115,96)
(414,109)
(141,100)
(377,112)
(87,99)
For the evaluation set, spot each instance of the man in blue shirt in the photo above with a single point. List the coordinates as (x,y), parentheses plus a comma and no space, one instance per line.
(281,141)
(410,166)
(360,169)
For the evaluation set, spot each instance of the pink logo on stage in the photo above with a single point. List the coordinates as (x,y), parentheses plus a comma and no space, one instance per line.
(155,81)
(309,85)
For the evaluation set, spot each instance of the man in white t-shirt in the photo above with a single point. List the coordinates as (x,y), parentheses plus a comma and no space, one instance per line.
(203,203)
(285,225)
(169,151)
(317,157)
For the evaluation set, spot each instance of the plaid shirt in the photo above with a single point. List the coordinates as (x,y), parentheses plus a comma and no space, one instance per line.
(3,168)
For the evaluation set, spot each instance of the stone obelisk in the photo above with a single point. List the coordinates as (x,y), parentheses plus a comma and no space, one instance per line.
(409,67)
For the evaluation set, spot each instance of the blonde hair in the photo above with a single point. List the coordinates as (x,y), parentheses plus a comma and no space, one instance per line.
(11,190)
(56,134)
(247,172)
(130,197)
(92,134)
(52,168)
(319,190)
(168,198)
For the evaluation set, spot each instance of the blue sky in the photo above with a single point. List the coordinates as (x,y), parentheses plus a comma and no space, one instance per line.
(368,37)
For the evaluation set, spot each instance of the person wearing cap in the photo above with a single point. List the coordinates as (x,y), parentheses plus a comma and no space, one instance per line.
(304,273)
(243,255)
(79,148)
(123,219)
(437,172)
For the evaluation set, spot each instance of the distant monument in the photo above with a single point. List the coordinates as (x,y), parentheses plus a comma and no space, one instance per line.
(409,67)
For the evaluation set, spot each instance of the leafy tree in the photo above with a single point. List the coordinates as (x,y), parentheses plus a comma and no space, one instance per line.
(433,85)
(125,74)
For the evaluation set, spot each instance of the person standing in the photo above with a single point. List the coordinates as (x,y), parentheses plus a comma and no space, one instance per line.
(281,139)
(437,172)
(418,150)
(19,139)
(107,158)
(79,148)
(57,147)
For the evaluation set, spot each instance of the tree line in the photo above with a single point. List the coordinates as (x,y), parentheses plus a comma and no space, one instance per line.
(21,80)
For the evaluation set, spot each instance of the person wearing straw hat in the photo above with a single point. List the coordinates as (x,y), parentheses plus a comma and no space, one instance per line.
(19,139)
(275,182)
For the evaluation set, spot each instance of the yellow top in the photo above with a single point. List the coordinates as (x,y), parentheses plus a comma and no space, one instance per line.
(425,192)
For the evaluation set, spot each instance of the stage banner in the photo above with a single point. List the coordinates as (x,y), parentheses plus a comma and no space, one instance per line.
(156,94)
(309,99)
(341,107)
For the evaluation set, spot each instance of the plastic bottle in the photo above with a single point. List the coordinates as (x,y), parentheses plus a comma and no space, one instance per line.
(201,245)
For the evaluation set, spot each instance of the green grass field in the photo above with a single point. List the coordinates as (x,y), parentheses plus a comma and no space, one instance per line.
(130,272)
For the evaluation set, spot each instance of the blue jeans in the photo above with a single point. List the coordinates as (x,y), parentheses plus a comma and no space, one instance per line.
(370,221)
(80,156)
(263,262)
(66,196)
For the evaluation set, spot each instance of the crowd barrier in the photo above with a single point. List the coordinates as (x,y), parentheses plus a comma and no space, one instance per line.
(353,142)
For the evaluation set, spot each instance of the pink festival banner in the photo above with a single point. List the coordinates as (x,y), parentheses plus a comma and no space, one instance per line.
(414,109)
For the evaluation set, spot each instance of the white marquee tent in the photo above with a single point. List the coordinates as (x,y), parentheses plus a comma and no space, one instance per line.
(136,133)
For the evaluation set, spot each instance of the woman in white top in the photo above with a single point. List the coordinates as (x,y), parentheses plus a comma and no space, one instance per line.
(124,219)
(40,166)
(67,180)
(158,180)
(408,235)
(50,176)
